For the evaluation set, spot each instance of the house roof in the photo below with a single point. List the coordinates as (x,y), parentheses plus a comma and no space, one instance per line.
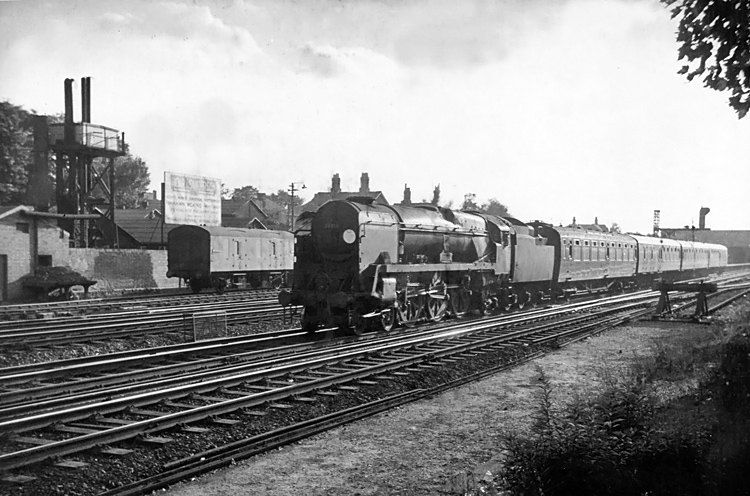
(243,222)
(7,211)
(270,206)
(143,224)
(320,198)
(241,208)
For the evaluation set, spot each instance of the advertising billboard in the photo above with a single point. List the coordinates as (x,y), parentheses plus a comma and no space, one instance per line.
(194,200)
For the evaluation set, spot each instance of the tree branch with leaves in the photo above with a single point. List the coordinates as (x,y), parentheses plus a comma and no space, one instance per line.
(714,37)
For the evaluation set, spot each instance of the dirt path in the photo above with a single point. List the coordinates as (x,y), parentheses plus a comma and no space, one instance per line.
(428,447)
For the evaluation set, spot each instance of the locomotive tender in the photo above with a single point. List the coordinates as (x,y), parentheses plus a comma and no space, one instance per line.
(223,256)
(360,264)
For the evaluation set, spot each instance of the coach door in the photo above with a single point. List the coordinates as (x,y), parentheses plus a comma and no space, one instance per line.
(3,277)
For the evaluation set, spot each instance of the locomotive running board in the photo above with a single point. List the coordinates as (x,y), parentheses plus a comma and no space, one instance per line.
(435,267)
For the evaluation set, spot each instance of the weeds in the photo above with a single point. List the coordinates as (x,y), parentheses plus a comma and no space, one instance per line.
(621,442)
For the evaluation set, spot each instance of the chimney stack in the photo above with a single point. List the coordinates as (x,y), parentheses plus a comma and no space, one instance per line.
(407,195)
(85,99)
(364,184)
(335,184)
(702,218)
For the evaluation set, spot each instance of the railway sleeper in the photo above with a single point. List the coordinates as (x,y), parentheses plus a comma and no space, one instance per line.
(146,413)
(74,464)
(207,399)
(303,399)
(34,441)
(18,479)
(191,429)
(175,404)
(115,451)
(154,440)
(252,412)
(75,430)
(225,421)
(347,388)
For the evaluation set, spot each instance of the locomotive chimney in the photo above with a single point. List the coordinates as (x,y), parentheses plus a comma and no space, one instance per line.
(702,219)
(364,184)
(335,185)
(407,195)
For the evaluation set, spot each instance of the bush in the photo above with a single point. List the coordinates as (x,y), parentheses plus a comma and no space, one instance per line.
(608,445)
(734,375)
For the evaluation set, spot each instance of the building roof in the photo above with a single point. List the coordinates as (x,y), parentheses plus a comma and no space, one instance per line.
(268,205)
(7,211)
(322,197)
(245,223)
(143,224)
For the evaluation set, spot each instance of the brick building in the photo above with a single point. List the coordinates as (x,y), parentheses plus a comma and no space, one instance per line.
(27,242)
(336,194)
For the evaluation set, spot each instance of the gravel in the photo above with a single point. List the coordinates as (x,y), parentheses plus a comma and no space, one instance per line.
(445,445)
(439,446)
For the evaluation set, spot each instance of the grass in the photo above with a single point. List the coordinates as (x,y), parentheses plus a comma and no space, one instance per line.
(631,439)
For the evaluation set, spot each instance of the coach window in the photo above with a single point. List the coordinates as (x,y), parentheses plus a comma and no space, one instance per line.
(607,251)
(570,250)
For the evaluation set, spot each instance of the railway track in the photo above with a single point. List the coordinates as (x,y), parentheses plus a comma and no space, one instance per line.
(94,306)
(231,393)
(58,412)
(130,322)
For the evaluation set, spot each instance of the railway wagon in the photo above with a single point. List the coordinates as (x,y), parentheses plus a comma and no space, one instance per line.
(701,256)
(589,260)
(218,257)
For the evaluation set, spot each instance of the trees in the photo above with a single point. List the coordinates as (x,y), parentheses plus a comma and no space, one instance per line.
(492,206)
(245,193)
(715,39)
(17,159)
(16,145)
(131,180)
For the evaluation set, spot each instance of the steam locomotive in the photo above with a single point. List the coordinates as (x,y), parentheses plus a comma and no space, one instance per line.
(361,265)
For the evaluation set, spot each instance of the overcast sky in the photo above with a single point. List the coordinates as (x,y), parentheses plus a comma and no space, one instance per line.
(558,109)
